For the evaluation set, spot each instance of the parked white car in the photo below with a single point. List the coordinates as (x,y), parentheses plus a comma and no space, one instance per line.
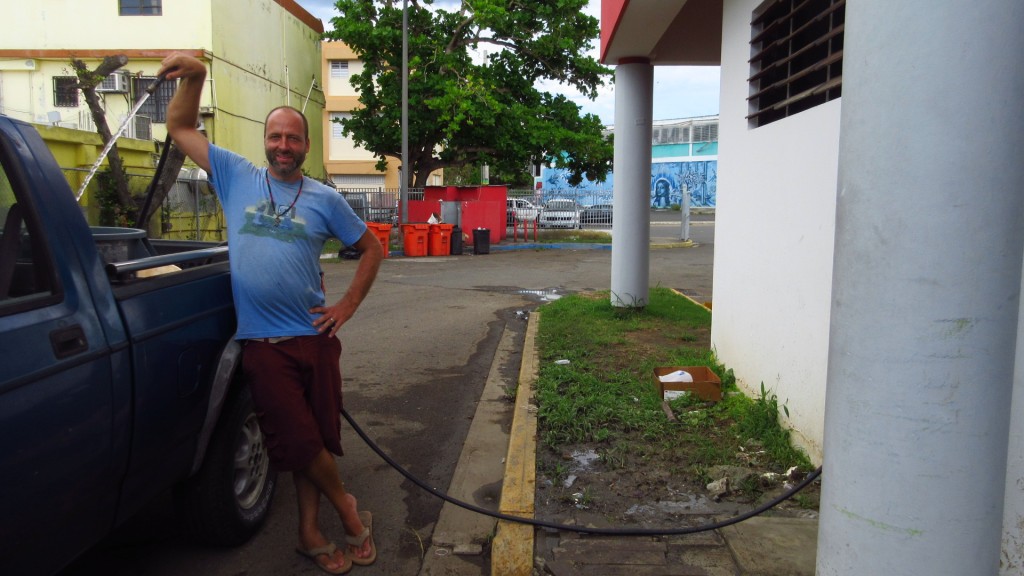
(520,210)
(560,213)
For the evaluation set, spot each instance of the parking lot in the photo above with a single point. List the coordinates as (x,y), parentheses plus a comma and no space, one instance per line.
(415,360)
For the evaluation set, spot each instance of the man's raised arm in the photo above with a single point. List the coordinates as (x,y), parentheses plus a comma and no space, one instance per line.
(183,110)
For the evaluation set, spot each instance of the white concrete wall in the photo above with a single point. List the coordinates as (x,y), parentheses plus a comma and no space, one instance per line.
(90,24)
(345,149)
(342,86)
(774,242)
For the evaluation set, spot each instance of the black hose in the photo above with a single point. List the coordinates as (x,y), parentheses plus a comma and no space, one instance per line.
(583,529)
(141,219)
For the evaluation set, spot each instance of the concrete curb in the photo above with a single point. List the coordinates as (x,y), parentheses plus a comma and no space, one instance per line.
(512,549)
(460,534)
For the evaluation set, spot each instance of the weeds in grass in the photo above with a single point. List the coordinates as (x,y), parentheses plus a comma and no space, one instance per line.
(574,237)
(606,394)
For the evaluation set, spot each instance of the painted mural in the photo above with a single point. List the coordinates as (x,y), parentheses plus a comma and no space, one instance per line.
(667,182)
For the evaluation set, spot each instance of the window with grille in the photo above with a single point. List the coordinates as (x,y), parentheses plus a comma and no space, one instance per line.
(681,133)
(139,7)
(65,91)
(796,59)
(705,133)
(339,69)
(156,106)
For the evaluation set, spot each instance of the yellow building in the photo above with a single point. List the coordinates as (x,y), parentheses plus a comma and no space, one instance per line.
(348,166)
(260,54)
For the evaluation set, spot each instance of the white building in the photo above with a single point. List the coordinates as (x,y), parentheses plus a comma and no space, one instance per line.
(868,252)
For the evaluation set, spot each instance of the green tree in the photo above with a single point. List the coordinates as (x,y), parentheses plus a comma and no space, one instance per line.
(465,111)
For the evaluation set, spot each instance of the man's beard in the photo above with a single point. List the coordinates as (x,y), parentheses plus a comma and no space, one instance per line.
(286,170)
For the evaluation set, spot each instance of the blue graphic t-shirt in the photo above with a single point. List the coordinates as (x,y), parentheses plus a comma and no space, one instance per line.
(275,243)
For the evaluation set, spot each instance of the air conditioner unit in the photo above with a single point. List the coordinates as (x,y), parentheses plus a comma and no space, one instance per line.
(116,82)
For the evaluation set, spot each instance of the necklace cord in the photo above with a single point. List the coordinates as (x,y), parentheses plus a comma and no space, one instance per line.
(273,205)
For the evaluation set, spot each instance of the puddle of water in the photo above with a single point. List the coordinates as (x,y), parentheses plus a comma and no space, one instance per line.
(584,458)
(694,503)
(548,295)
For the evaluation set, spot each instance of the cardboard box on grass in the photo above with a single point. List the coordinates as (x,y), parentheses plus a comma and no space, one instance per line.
(706,385)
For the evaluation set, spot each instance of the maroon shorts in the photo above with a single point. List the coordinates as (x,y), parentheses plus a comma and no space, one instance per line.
(296,387)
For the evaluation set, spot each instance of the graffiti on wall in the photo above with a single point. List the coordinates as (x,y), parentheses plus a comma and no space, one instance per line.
(668,180)
(667,183)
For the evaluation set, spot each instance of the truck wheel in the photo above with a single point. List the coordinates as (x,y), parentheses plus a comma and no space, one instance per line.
(227,501)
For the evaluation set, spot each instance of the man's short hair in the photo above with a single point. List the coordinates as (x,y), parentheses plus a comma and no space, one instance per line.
(305,122)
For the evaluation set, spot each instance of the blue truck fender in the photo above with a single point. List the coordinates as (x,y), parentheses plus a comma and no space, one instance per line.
(228,363)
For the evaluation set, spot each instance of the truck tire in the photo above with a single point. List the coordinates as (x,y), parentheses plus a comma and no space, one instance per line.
(228,500)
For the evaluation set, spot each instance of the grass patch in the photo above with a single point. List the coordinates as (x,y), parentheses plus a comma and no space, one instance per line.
(572,236)
(605,395)
(331,246)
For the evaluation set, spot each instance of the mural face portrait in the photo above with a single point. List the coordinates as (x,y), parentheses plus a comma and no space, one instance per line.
(662,191)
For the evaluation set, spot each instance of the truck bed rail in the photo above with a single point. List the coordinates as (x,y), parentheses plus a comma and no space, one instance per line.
(121,271)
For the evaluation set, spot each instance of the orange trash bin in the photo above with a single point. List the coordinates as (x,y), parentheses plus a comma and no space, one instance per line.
(414,239)
(440,237)
(383,233)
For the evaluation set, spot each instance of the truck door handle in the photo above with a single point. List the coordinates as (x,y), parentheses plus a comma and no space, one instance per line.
(68,341)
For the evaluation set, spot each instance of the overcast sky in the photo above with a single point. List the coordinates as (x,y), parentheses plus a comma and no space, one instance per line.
(679,91)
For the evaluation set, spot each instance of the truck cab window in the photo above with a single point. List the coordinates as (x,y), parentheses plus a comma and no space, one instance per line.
(25,273)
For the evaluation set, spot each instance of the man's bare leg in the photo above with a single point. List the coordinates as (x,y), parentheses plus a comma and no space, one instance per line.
(310,536)
(323,474)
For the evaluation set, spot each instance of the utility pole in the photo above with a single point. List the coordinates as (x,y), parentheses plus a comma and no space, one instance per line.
(406,169)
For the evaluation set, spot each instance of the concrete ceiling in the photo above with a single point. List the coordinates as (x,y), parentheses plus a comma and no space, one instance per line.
(666,32)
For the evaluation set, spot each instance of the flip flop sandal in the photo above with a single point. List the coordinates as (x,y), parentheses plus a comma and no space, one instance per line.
(367,519)
(326,550)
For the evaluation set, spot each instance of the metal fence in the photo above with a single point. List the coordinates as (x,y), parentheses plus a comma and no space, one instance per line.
(378,204)
(593,207)
(189,212)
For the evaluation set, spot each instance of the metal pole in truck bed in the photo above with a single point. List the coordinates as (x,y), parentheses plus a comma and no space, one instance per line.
(110,143)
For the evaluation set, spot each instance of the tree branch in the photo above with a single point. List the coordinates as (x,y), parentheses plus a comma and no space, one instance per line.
(457,33)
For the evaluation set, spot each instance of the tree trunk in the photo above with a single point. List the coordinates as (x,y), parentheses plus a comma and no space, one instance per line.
(161,185)
(422,175)
(87,82)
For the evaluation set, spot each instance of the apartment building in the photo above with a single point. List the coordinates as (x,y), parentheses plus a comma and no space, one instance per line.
(260,54)
(347,165)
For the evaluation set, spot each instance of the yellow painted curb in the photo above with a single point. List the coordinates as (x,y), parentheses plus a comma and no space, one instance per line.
(705,305)
(680,244)
(512,549)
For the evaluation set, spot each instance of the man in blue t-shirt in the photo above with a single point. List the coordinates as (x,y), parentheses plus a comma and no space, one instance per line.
(278,221)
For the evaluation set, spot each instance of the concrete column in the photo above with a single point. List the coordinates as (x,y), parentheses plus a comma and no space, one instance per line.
(1011,559)
(926,290)
(631,215)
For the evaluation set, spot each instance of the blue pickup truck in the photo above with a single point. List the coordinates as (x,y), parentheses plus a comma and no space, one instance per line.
(117,376)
